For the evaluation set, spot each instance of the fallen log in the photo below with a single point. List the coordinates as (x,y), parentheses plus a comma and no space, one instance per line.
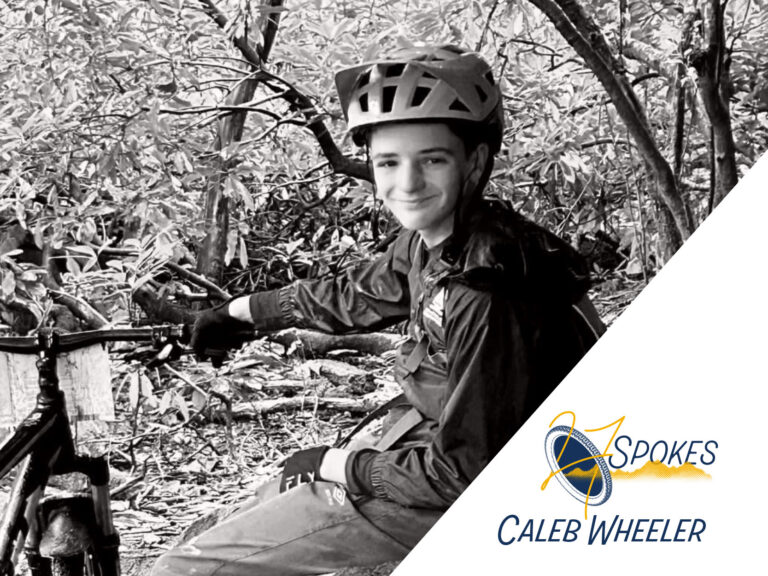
(319,343)
(249,410)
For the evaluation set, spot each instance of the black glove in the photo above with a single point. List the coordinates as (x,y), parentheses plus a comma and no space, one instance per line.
(215,331)
(302,467)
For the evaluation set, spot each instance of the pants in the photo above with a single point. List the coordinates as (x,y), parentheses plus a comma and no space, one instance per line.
(314,528)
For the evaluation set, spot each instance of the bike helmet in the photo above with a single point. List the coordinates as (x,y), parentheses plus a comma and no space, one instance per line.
(422,83)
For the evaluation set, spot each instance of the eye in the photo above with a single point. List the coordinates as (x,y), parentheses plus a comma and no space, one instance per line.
(385,164)
(434,160)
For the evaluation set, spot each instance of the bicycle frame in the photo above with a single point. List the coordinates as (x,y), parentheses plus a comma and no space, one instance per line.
(44,439)
(42,446)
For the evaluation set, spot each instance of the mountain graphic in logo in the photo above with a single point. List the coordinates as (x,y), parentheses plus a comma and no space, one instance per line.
(659,471)
(580,474)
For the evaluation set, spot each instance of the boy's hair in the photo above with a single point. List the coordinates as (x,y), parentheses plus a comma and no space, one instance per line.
(471,134)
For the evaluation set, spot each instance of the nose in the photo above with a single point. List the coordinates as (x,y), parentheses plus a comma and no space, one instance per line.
(410,177)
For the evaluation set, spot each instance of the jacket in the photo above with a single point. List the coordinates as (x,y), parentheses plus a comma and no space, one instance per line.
(496,319)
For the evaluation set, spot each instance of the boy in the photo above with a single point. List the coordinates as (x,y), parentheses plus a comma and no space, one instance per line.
(497,317)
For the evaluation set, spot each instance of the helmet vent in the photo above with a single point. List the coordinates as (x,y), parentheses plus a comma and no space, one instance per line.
(363,100)
(419,95)
(394,71)
(481,93)
(388,98)
(428,75)
(364,79)
(458,106)
(489,77)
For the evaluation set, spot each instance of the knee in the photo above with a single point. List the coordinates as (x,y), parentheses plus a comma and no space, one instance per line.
(182,561)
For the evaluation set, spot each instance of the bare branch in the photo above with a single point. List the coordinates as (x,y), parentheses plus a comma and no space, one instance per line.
(487,25)
(298,101)
(241,43)
(199,280)
(252,410)
(650,56)
(180,270)
(586,39)
(80,308)
(299,181)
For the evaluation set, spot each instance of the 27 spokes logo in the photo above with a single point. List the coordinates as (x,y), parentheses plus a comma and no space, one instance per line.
(577,464)
(588,474)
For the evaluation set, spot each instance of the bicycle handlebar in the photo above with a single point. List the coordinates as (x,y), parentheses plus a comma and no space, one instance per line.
(49,339)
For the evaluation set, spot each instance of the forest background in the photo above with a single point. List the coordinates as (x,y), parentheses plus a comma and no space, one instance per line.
(157,156)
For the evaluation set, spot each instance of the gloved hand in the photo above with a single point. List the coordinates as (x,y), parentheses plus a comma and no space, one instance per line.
(302,467)
(215,331)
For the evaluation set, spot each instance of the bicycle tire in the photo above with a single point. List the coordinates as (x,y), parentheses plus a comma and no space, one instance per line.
(68,565)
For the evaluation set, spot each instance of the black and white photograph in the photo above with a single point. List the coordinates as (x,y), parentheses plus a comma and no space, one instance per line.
(280,278)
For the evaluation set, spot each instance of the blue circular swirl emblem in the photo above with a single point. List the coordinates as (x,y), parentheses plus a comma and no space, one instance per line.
(578,465)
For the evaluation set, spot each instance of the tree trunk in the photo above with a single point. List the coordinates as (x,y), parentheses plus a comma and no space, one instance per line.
(712,65)
(678,131)
(669,236)
(210,261)
(680,95)
(587,39)
(230,130)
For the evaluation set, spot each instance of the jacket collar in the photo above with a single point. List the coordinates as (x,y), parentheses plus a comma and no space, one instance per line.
(500,247)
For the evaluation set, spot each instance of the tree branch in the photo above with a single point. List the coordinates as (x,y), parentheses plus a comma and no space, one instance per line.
(298,101)
(712,68)
(196,279)
(486,26)
(592,32)
(240,42)
(650,56)
(604,141)
(593,51)
(80,308)
(199,280)
(252,410)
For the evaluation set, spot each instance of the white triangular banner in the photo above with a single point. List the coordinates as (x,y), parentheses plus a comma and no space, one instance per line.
(686,365)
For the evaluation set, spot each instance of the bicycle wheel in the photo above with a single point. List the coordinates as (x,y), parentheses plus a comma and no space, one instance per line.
(84,564)
(68,565)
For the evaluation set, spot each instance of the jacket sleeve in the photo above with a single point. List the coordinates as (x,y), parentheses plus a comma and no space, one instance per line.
(369,296)
(488,347)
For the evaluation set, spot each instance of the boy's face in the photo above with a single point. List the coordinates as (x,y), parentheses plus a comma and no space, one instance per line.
(420,170)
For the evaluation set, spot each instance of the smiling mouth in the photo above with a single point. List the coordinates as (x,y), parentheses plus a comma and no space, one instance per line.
(413,201)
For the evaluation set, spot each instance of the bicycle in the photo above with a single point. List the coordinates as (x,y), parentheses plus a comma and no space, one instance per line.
(71,535)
